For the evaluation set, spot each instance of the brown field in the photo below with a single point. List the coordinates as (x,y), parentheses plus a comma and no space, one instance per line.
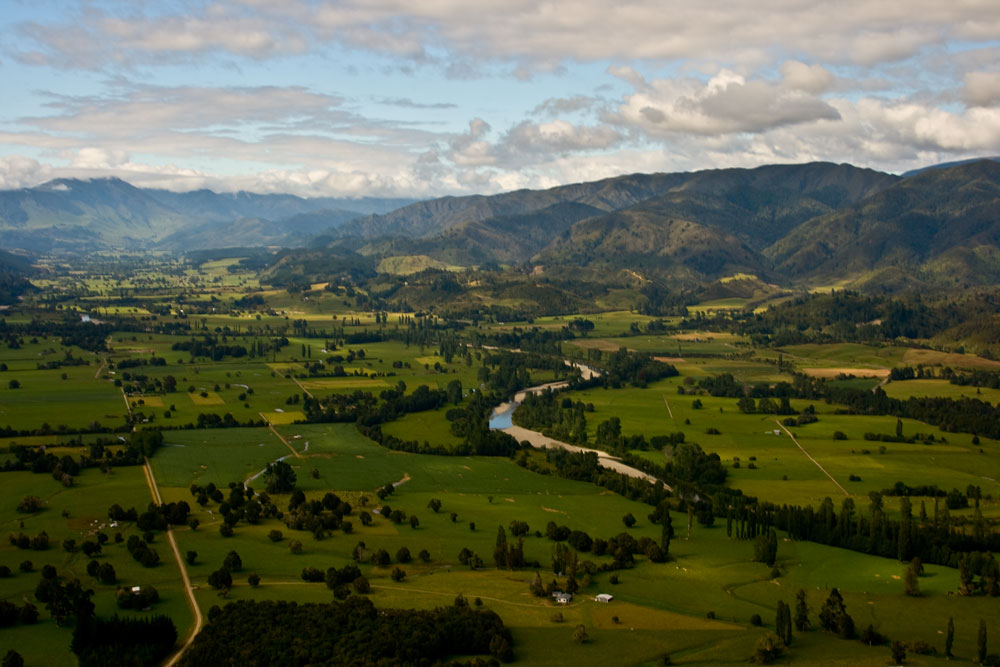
(211,399)
(283,418)
(601,344)
(856,372)
(348,382)
(935,358)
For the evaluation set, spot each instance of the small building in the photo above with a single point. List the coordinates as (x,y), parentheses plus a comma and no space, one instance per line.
(604,597)
(562,598)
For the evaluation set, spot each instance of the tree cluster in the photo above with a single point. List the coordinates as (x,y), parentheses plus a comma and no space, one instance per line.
(268,633)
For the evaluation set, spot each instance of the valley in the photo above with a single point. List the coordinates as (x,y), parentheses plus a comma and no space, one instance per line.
(314,428)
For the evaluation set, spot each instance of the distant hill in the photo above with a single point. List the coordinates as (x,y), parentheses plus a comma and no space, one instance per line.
(788,225)
(502,240)
(430,218)
(947,165)
(227,206)
(293,231)
(68,212)
(729,214)
(700,225)
(84,215)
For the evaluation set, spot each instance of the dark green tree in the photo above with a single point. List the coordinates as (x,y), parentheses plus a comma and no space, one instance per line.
(898,650)
(911,583)
(801,611)
(949,638)
(765,548)
(783,623)
(536,587)
(279,477)
(233,562)
(221,580)
(666,531)
(834,617)
(501,553)
(769,648)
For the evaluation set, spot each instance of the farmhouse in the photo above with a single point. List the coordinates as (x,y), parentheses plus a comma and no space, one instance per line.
(562,598)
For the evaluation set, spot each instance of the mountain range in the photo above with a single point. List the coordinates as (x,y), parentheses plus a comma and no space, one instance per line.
(816,223)
(73,215)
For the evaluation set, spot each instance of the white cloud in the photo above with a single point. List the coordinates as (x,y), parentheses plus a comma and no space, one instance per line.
(531,34)
(17,171)
(725,104)
(813,79)
(91,157)
(471,149)
(982,89)
(685,85)
(559,137)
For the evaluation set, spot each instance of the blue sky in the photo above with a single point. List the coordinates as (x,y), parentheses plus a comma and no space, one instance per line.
(392,98)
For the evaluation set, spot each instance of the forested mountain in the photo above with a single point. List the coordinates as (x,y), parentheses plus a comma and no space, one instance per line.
(941,225)
(788,224)
(14,273)
(505,240)
(430,218)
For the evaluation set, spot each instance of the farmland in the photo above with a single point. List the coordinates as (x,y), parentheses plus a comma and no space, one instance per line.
(386,411)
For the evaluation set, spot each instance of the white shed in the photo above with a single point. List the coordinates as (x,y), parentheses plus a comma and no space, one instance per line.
(604,597)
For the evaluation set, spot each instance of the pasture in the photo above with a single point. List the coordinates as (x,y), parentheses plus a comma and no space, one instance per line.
(658,609)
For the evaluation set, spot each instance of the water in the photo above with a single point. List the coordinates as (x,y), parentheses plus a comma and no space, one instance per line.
(502,420)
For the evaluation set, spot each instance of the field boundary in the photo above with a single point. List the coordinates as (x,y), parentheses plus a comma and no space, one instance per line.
(809,456)
(669,411)
(280,437)
(304,390)
(198,620)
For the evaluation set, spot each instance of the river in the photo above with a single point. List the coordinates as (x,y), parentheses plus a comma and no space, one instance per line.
(502,420)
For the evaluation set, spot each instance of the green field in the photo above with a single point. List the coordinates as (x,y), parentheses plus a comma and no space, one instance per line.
(782,473)
(698,607)
(941,388)
(78,513)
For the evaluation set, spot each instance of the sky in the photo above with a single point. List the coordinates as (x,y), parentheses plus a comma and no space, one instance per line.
(442,97)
